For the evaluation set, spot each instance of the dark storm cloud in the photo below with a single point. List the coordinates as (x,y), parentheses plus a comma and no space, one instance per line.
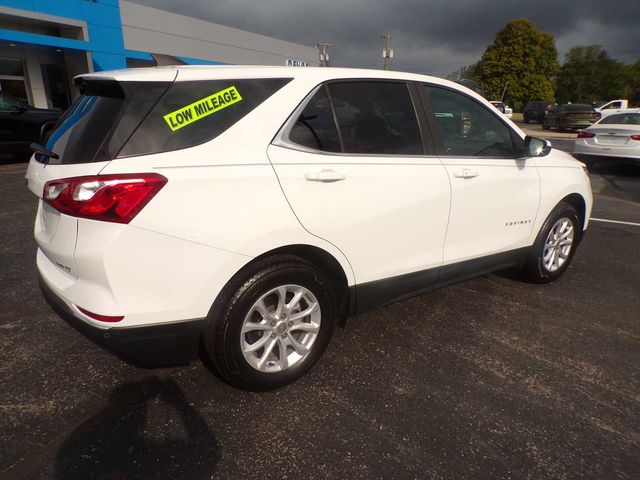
(429,36)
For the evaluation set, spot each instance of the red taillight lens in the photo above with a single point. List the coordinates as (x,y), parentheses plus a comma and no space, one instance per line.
(635,137)
(102,318)
(586,135)
(109,198)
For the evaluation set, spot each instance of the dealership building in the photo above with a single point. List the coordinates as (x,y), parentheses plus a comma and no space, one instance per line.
(45,43)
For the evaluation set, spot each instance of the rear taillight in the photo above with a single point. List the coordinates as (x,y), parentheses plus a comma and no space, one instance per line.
(109,198)
(635,137)
(586,135)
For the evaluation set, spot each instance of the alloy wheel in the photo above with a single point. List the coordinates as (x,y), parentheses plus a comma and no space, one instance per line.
(558,245)
(280,328)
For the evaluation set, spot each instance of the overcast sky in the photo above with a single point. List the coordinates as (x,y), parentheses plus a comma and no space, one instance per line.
(428,36)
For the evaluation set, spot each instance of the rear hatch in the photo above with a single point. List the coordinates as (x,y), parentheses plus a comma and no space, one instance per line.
(86,138)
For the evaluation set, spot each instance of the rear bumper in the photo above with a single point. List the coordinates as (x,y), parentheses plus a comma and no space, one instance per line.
(607,151)
(147,346)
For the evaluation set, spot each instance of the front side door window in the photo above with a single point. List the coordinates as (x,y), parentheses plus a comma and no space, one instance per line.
(465,128)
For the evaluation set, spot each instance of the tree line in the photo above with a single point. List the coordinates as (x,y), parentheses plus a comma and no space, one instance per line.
(522,65)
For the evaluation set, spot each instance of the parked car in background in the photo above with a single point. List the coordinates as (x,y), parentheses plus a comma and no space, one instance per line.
(536,111)
(20,124)
(570,116)
(616,135)
(245,210)
(616,106)
(506,109)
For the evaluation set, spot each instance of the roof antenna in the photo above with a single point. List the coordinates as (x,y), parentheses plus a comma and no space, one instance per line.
(165,60)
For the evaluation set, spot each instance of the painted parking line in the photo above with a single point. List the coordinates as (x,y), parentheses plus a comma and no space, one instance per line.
(615,221)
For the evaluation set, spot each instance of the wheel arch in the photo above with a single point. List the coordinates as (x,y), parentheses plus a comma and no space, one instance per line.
(319,258)
(579,203)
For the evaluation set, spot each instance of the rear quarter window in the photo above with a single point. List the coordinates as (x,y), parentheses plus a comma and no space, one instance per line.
(192,113)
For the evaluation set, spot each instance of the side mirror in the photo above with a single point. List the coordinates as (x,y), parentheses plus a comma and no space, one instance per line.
(536,147)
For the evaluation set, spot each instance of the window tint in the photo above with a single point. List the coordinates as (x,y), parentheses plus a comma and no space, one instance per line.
(621,119)
(376,117)
(315,127)
(467,128)
(95,127)
(613,106)
(191,113)
(576,107)
(8,103)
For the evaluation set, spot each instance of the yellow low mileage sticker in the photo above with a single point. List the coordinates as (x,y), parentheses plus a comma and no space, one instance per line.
(202,108)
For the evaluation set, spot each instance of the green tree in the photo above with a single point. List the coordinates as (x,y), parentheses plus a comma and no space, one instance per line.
(524,60)
(633,88)
(589,74)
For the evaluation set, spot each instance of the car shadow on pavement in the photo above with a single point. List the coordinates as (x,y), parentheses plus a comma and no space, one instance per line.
(148,430)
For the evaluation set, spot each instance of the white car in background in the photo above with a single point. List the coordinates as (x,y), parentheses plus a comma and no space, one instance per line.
(616,106)
(616,135)
(247,209)
(502,107)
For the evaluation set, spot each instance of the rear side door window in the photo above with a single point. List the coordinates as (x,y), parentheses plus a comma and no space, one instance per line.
(464,127)
(376,118)
(360,117)
(315,127)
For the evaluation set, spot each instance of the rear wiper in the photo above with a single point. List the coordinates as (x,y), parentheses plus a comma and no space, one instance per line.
(46,154)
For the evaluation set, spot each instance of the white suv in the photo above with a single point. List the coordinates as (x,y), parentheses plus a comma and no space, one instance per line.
(240,212)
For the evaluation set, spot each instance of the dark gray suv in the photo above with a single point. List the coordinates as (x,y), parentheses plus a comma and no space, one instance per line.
(536,111)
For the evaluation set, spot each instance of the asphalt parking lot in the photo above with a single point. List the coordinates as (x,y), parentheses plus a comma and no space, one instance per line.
(490,378)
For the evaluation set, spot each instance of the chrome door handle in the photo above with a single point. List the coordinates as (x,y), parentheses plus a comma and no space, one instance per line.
(466,173)
(325,176)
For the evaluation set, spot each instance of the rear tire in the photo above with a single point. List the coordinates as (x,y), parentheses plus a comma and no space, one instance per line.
(558,126)
(544,125)
(555,245)
(257,335)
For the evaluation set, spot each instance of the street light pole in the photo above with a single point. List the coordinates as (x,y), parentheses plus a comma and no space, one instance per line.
(387,52)
(323,54)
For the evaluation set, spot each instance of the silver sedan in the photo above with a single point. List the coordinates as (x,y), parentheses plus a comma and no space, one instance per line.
(616,135)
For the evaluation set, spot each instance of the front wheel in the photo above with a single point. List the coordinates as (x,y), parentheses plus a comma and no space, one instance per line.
(555,245)
(271,326)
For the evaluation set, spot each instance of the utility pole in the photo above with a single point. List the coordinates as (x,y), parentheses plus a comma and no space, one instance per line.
(504,90)
(387,52)
(323,54)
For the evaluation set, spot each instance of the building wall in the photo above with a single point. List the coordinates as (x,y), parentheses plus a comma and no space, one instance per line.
(80,36)
(147,29)
(100,20)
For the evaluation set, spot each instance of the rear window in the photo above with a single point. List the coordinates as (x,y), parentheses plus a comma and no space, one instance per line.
(122,119)
(621,119)
(100,121)
(576,107)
